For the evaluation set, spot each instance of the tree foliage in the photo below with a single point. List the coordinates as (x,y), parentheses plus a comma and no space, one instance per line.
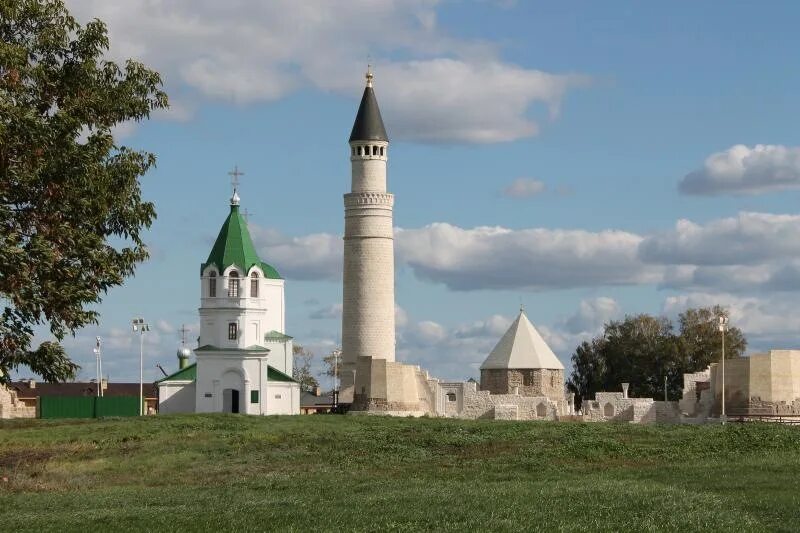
(642,350)
(71,212)
(301,370)
(333,363)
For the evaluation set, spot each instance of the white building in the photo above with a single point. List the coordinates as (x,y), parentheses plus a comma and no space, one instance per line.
(244,357)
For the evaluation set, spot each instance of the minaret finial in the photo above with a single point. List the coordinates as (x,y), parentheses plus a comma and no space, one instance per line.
(234,174)
(369,75)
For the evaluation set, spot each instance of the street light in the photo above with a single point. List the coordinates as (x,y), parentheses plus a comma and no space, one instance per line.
(99,362)
(336,353)
(723,327)
(140,326)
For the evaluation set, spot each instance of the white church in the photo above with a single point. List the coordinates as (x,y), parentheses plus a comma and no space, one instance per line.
(244,357)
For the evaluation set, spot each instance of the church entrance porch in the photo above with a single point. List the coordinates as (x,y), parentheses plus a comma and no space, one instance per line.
(230,401)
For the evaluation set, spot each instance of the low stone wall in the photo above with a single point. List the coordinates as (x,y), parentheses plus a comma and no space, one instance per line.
(482,404)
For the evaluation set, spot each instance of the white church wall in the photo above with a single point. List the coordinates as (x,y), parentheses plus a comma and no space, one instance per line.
(281,356)
(176,397)
(283,398)
(274,303)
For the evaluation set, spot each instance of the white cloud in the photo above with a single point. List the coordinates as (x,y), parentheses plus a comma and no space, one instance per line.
(748,238)
(501,258)
(768,323)
(524,188)
(431,86)
(333,311)
(316,256)
(744,170)
(592,315)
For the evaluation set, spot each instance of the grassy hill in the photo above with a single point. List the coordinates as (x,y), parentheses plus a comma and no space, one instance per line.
(317,473)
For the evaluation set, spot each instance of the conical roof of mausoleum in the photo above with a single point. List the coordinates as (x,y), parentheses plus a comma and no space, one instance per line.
(235,247)
(522,347)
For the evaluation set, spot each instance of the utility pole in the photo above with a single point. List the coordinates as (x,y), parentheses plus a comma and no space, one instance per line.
(99,365)
(723,326)
(140,326)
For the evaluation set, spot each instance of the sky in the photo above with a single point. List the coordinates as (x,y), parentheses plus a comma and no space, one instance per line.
(586,159)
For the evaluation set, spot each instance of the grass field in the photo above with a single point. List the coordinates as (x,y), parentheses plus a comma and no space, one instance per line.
(315,473)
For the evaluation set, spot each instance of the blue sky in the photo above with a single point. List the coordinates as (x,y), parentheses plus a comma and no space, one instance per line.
(537,156)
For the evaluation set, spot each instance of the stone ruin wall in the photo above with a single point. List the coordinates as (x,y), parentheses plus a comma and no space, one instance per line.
(12,407)
(615,407)
(529,382)
(482,404)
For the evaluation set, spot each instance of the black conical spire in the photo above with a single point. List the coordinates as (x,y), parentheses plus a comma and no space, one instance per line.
(369,124)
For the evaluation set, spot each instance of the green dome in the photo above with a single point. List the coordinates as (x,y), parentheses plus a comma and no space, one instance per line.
(235,247)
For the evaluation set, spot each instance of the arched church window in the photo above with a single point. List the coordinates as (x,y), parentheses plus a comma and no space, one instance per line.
(254,285)
(233,331)
(212,284)
(233,284)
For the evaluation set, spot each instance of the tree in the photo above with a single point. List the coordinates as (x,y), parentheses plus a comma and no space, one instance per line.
(642,350)
(701,341)
(333,363)
(301,371)
(71,212)
(588,369)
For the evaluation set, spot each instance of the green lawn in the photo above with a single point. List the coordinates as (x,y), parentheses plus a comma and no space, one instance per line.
(318,473)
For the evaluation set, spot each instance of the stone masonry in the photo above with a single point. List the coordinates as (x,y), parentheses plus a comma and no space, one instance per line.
(12,407)
(526,382)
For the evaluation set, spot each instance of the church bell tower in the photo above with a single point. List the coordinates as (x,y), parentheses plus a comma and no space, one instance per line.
(368,273)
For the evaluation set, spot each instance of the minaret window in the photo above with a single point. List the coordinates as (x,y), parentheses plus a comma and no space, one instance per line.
(374,150)
(233,331)
(254,285)
(212,284)
(381,150)
(233,284)
(359,150)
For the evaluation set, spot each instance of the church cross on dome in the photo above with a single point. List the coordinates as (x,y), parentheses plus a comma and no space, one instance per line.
(234,174)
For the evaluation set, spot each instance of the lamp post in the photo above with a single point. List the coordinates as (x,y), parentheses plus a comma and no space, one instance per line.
(723,327)
(336,353)
(99,367)
(140,326)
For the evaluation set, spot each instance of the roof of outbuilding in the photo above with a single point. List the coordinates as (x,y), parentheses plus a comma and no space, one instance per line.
(369,124)
(184,374)
(522,347)
(235,247)
(24,390)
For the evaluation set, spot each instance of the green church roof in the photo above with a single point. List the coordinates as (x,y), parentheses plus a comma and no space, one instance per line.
(273,374)
(235,247)
(184,374)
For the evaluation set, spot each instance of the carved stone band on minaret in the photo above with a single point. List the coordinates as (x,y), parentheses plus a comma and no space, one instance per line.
(358,199)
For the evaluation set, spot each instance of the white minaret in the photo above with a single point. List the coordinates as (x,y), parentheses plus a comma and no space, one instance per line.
(368,293)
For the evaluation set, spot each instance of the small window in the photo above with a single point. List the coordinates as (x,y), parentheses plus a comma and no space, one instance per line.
(451,397)
(254,285)
(277,396)
(374,150)
(212,284)
(233,285)
(353,150)
(253,396)
(233,331)
(359,150)
(381,150)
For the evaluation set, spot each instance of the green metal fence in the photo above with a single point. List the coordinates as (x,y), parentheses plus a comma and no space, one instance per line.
(87,406)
